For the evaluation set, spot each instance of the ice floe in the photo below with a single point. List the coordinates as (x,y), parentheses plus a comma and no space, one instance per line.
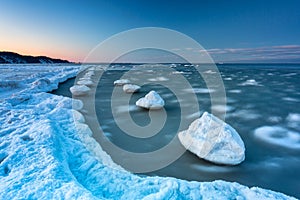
(84,78)
(152,100)
(199,90)
(178,72)
(250,82)
(290,99)
(222,108)
(125,108)
(245,114)
(210,72)
(293,120)
(131,88)
(121,82)
(235,91)
(85,82)
(77,104)
(289,74)
(78,117)
(212,169)
(212,139)
(278,136)
(274,119)
(160,78)
(194,115)
(90,73)
(79,90)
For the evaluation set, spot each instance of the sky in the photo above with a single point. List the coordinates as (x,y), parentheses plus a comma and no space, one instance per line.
(230,30)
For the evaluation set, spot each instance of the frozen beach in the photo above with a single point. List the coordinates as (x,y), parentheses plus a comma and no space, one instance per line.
(47,151)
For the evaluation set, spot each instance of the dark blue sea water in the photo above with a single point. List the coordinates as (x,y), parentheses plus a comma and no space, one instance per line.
(262,104)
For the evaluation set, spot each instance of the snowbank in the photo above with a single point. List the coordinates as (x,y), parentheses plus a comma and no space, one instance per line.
(19,81)
(45,155)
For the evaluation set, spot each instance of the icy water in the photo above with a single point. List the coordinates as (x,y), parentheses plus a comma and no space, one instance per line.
(263,105)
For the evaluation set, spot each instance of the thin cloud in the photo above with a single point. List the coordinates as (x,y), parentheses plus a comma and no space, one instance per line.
(276,53)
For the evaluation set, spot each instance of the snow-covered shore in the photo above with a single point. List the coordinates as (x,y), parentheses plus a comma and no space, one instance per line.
(47,153)
(18,82)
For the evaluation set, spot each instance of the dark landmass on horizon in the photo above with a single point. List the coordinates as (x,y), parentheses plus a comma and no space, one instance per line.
(7,57)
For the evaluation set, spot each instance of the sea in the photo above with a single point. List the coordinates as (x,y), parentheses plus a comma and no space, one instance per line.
(260,101)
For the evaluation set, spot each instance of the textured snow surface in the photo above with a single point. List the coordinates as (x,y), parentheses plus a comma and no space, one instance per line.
(17,82)
(212,139)
(152,100)
(47,152)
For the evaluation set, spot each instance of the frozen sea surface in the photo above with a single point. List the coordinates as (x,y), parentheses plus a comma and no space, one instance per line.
(250,107)
(46,153)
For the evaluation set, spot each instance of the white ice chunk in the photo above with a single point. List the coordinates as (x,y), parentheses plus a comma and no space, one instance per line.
(121,82)
(85,82)
(199,90)
(82,129)
(131,88)
(178,72)
(161,78)
(85,78)
(79,90)
(212,139)
(210,72)
(125,108)
(290,99)
(235,91)
(274,119)
(77,116)
(77,104)
(151,101)
(90,73)
(91,69)
(222,108)
(245,114)
(250,82)
(293,120)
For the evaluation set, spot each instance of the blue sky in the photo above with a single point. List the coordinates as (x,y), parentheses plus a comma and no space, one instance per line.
(231,31)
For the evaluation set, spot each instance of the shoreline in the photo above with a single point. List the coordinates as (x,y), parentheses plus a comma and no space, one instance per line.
(43,104)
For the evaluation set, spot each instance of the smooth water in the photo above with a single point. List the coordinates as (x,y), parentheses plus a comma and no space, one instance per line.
(262,104)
